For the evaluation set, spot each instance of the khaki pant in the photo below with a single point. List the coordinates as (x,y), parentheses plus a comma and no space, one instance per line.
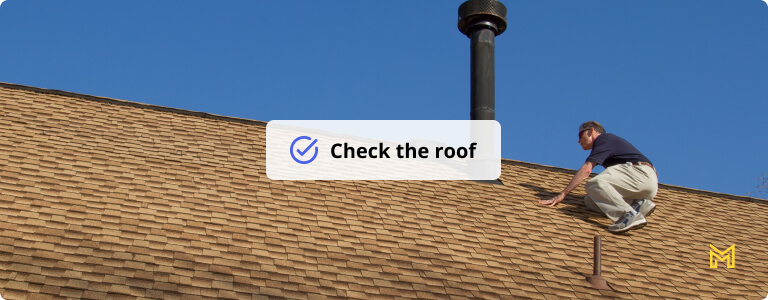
(612,191)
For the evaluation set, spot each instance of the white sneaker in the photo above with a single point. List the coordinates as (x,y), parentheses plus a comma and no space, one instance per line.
(630,220)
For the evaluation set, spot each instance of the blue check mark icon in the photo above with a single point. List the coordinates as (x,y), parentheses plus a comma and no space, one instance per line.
(306,150)
(302,153)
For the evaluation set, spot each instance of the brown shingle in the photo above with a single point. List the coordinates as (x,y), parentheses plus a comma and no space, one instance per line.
(125,200)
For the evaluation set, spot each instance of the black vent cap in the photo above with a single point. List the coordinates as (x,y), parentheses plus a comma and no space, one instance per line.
(487,13)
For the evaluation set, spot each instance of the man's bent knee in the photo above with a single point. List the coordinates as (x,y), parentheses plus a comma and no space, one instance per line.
(593,185)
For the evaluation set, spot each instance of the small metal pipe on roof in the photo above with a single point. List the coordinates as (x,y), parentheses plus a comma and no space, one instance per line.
(482,21)
(596,280)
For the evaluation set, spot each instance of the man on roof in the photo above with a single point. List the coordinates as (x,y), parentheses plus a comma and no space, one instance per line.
(623,191)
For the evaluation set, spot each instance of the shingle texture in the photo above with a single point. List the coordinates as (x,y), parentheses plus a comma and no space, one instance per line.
(106,199)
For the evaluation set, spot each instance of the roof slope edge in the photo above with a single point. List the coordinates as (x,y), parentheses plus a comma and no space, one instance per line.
(131,103)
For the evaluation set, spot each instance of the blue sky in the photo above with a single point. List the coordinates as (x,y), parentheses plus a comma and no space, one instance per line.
(685,81)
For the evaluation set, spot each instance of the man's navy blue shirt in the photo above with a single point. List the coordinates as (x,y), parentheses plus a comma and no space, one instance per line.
(609,149)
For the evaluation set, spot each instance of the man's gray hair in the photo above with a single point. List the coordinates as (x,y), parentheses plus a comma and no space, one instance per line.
(592,124)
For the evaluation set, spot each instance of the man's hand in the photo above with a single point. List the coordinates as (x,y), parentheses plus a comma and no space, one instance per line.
(582,174)
(553,201)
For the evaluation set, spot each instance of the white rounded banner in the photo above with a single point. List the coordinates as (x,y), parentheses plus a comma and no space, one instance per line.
(383,150)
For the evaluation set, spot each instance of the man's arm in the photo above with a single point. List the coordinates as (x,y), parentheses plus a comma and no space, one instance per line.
(582,174)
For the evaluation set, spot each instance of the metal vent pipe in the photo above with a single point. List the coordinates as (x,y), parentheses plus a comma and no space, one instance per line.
(596,280)
(482,21)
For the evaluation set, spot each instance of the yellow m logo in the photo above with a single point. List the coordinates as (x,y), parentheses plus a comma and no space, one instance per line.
(722,256)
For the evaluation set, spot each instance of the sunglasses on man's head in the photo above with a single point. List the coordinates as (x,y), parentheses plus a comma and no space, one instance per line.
(582,131)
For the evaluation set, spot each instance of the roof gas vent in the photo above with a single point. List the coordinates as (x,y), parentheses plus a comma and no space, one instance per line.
(482,21)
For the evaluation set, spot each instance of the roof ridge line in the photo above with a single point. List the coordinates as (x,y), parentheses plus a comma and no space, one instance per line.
(131,103)
(263,123)
(661,185)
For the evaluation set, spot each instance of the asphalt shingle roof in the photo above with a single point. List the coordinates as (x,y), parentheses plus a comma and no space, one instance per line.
(108,199)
